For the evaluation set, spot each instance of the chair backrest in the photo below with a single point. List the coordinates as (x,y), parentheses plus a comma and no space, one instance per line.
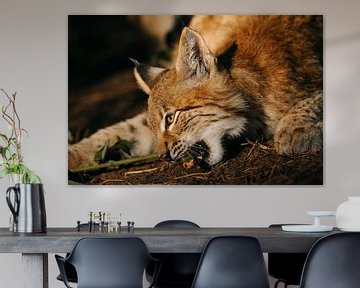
(232,262)
(176,224)
(110,262)
(178,269)
(333,262)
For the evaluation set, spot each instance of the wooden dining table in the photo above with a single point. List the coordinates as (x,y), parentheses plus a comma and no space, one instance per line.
(35,247)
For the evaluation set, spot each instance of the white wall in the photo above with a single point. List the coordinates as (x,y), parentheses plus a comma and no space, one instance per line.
(33,62)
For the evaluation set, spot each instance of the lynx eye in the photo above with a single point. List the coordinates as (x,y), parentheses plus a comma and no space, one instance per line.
(169,118)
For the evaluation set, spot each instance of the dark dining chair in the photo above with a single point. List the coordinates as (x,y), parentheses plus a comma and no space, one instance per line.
(108,263)
(70,271)
(232,262)
(286,267)
(333,262)
(178,269)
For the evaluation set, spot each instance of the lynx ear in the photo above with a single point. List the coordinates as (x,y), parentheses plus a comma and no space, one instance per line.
(145,75)
(194,58)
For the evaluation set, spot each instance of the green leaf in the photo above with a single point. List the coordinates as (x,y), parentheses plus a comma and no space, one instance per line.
(118,151)
(123,146)
(101,153)
(3,151)
(28,176)
(26,132)
(33,178)
(4,137)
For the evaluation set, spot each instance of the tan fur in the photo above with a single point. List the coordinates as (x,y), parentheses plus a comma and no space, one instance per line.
(135,130)
(270,88)
(275,75)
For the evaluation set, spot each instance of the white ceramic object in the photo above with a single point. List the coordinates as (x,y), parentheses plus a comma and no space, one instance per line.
(316,227)
(321,213)
(348,214)
(306,228)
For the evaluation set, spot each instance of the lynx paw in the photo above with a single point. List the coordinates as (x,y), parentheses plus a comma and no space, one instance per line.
(297,139)
(78,158)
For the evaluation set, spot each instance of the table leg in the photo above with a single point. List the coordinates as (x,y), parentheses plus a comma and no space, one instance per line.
(35,270)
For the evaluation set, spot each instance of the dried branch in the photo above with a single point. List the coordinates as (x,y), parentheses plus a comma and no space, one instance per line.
(115,164)
(201,175)
(141,171)
(12,159)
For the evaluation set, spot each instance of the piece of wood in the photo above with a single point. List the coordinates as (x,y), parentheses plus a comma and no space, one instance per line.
(186,240)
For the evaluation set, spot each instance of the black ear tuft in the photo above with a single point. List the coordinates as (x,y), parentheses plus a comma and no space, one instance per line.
(145,75)
(134,61)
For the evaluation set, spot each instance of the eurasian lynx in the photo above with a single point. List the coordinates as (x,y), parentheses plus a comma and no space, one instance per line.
(233,77)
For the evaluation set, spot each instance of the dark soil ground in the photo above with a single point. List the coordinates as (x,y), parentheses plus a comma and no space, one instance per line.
(112,96)
(255,164)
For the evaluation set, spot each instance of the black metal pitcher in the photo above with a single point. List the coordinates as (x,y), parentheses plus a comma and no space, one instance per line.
(28,207)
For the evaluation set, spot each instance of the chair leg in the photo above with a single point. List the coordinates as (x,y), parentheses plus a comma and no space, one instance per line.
(278,282)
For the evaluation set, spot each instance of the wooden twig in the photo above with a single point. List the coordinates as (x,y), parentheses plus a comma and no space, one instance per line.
(251,170)
(193,175)
(113,180)
(251,150)
(260,145)
(115,164)
(141,171)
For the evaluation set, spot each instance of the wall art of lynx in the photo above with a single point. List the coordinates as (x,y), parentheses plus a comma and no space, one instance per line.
(229,82)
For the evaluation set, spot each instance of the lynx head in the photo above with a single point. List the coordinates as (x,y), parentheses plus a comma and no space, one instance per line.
(192,103)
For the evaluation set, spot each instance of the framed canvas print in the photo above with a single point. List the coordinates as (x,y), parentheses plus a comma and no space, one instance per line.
(195,99)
